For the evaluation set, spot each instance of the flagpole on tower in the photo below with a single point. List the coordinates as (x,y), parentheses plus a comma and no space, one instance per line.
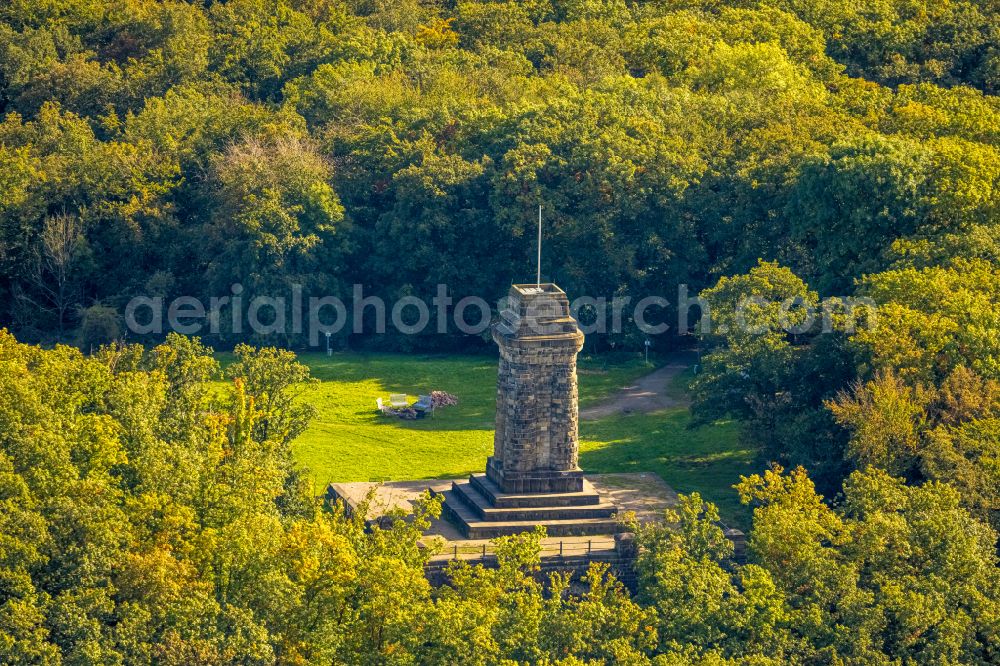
(538,275)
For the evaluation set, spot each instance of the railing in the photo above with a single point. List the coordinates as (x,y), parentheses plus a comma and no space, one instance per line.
(574,556)
(571,556)
(551,549)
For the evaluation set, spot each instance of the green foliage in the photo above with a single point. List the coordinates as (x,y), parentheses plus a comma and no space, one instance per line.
(889,572)
(935,319)
(128,539)
(99,326)
(947,433)
(869,390)
(279,142)
(808,150)
(770,365)
(151,516)
(274,215)
(509,614)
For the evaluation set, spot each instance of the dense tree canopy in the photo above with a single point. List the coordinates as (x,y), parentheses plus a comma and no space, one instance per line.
(826,173)
(888,574)
(150,516)
(185,147)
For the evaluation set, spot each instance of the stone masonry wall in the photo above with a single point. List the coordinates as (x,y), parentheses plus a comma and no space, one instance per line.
(536,446)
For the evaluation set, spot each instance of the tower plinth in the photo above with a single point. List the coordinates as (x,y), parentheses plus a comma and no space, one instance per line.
(536,445)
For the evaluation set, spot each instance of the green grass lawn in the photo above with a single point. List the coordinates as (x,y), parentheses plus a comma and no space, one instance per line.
(350,441)
(706,459)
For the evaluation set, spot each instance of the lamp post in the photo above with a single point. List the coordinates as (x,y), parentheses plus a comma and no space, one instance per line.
(647,344)
(329,349)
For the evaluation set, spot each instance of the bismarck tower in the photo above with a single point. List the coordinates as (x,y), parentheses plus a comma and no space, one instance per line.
(536,446)
(533,477)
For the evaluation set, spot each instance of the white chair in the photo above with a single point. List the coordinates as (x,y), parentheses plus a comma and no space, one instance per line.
(398,400)
(424,405)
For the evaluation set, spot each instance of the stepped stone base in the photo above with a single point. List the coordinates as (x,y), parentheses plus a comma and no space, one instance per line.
(643,494)
(587,494)
(481,510)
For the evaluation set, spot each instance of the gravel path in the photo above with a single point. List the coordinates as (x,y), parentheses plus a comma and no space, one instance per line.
(648,394)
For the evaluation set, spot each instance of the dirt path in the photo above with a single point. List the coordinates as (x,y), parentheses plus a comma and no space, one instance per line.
(648,394)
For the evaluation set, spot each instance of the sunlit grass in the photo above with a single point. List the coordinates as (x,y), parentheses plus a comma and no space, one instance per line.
(707,459)
(350,441)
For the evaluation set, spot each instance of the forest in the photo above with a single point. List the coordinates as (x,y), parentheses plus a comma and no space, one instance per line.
(777,150)
(176,149)
(147,518)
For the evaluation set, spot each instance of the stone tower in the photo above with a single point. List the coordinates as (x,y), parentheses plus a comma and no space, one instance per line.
(536,445)
(533,477)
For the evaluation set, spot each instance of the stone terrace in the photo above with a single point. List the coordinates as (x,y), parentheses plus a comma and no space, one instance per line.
(644,494)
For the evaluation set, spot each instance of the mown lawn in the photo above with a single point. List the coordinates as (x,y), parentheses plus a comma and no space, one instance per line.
(350,441)
(708,459)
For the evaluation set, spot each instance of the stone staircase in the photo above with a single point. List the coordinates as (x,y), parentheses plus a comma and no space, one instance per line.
(481,510)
